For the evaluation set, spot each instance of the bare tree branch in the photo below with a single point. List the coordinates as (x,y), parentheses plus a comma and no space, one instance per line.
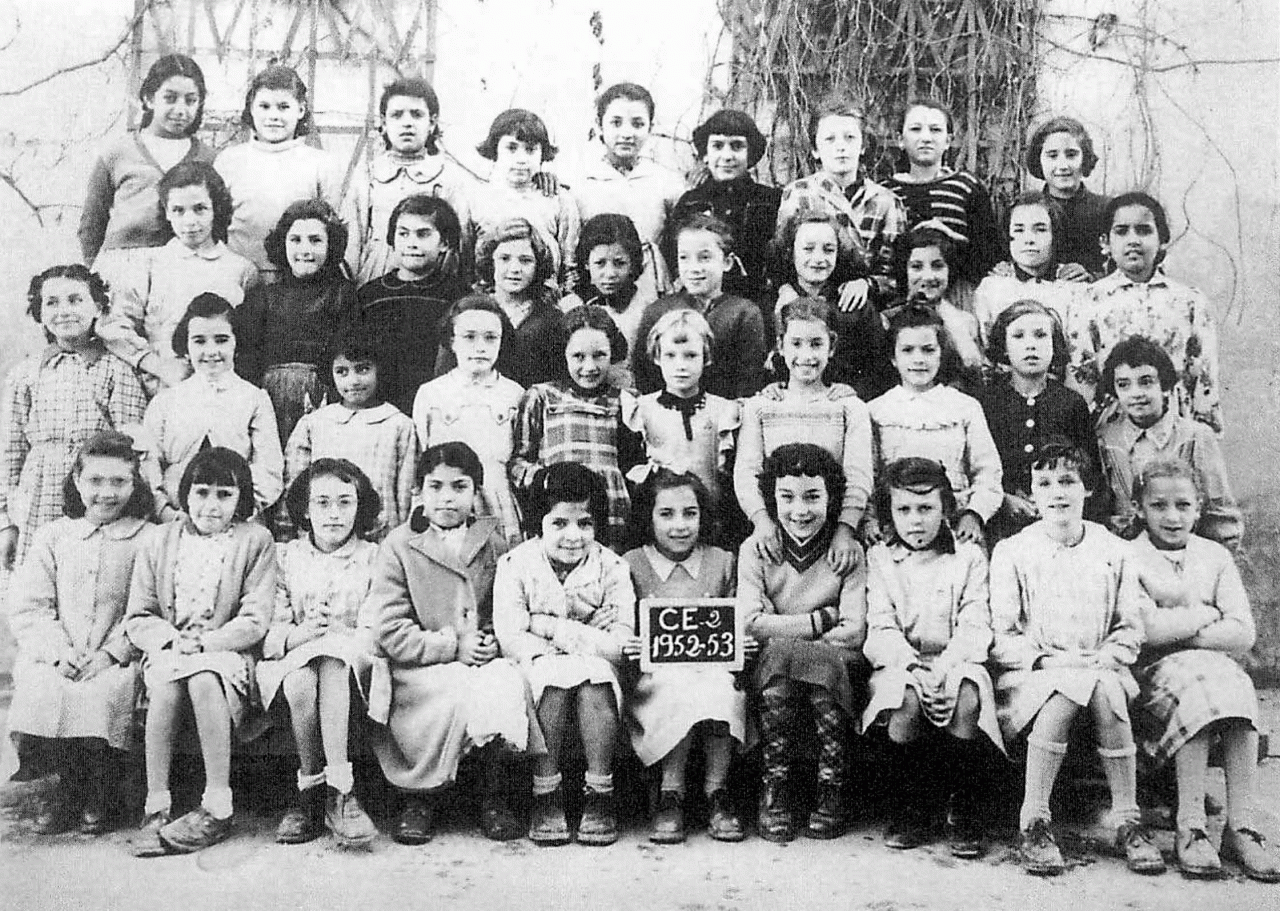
(85,64)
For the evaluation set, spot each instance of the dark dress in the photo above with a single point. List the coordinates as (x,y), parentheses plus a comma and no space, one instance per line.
(405,317)
(738,349)
(532,353)
(962,203)
(751,211)
(1082,224)
(284,333)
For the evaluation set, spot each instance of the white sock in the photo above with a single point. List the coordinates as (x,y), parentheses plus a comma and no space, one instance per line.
(601,784)
(545,784)
(218,802)
(306,782)
(340,777)
(157,802)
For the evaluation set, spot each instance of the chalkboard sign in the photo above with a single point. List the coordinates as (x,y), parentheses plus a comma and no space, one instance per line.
(690,632)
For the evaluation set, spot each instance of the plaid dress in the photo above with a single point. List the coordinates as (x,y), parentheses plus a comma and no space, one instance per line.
(1183,690)
(53,403)
(555,424)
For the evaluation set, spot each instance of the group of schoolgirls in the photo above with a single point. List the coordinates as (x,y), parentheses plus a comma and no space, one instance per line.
(577,433)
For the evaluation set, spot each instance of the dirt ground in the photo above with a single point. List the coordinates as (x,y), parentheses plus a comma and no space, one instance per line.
(459,869)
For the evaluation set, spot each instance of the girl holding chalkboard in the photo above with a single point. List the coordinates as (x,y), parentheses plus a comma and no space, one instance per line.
(671,707)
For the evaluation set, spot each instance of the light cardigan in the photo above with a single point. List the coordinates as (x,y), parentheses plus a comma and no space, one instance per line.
(949,427)
(926,603)
(245,598)
(235,414)
(264,178)
(834,419)
(535,614)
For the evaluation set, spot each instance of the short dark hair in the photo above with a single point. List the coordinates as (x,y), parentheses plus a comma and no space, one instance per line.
(453,454)
(918,316)
(483,303)
(72,272)
(207,306)
(567,482)
(306,210)
(358,345)
(514,229)
(109,444)
(730,122)
(412,88)
(435,208)
(368,503)
(162,71)
(628,90)
(605,229)
(1088,158)
(1058,451)
(1138,351)
(660,479)
(525,126)
(197,174)
(917,475)
(1147,201)
(805,460)
(280,78)
(920,237)
(998,344)
(222,467)
(592,316)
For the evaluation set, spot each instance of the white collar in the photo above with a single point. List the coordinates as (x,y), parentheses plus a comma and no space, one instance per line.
(664,566)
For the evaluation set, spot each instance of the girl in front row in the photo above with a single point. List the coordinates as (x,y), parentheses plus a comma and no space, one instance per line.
(212,407)
(928,633)
(564,608)
(1193,691)
(319,639)
(672,707)
(1066,617)
(433,597)
(811,618)
(200,602)
(924,417)
(75,678)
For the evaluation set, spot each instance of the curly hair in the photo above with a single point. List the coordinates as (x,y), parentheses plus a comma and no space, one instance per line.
(283,79)
(413,88)
(525,126)
(162,71)
(646,499)
(197,174)
(109,444)
(514,229)
(72,272)
(918,476)
(1060,452)
(221,467)
(1138,351)
(368,503)
(998,345)
(309,210)
(566,482)
(1069,125)
(783,247)
(804,460)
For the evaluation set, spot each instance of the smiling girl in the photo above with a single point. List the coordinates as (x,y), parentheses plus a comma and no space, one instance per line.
(212,407)
(56,400)
(1060,152)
